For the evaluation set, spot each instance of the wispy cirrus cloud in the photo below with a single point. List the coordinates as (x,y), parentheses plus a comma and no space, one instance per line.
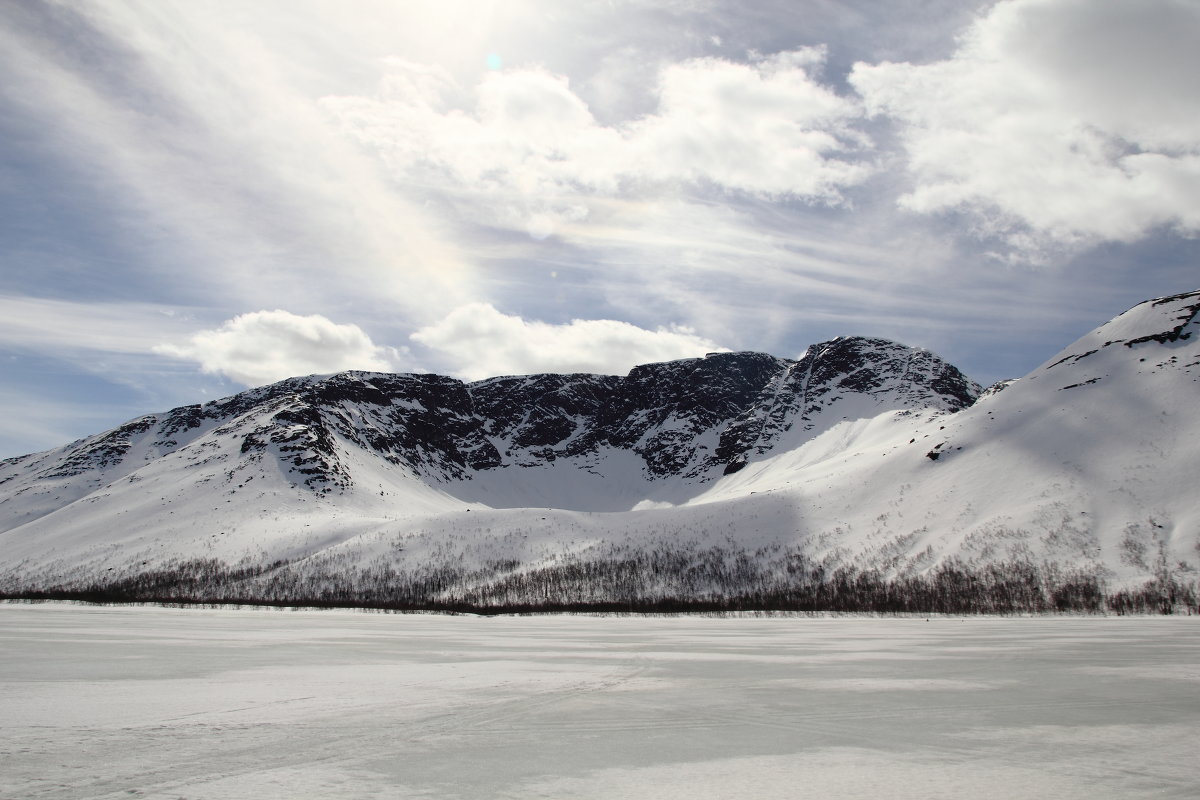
(241,185)
(31,422)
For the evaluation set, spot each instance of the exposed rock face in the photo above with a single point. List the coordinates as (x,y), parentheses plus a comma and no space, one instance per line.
(692,418)
(805,392)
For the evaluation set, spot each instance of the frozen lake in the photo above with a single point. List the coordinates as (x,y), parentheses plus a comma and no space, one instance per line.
(169,703)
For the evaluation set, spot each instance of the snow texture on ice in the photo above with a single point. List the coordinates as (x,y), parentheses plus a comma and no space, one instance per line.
(206,704)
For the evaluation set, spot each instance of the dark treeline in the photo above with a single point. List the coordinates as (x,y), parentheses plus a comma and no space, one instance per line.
(650,581)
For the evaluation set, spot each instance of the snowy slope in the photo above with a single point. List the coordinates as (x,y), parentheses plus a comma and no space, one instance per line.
(1089,460)
(863,454)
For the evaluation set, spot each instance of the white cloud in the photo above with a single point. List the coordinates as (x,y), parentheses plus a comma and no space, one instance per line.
(266,346)
(528,151)
(1057,121)
(766,128)
(482,342)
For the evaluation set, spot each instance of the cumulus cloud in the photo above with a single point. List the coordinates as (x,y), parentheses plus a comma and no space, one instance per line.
(266,346)
(1057,121)
(766,127)
(530,146)
(483,342)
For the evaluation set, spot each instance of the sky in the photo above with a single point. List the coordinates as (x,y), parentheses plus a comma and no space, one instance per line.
(199,197)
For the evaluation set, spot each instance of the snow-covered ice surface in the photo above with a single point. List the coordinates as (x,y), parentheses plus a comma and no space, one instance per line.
(107,702)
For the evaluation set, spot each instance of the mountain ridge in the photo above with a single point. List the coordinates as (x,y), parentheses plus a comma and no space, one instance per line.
(542,416)
(862,458)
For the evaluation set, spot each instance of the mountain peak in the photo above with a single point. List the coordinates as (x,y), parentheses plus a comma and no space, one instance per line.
(688,418)
(863,457)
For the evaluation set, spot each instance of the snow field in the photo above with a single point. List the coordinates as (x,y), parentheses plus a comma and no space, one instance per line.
(107,702)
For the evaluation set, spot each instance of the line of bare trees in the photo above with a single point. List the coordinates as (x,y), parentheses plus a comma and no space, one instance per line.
(628,580)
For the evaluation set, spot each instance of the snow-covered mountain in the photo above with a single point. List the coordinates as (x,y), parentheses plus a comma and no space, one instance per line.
(865,468)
